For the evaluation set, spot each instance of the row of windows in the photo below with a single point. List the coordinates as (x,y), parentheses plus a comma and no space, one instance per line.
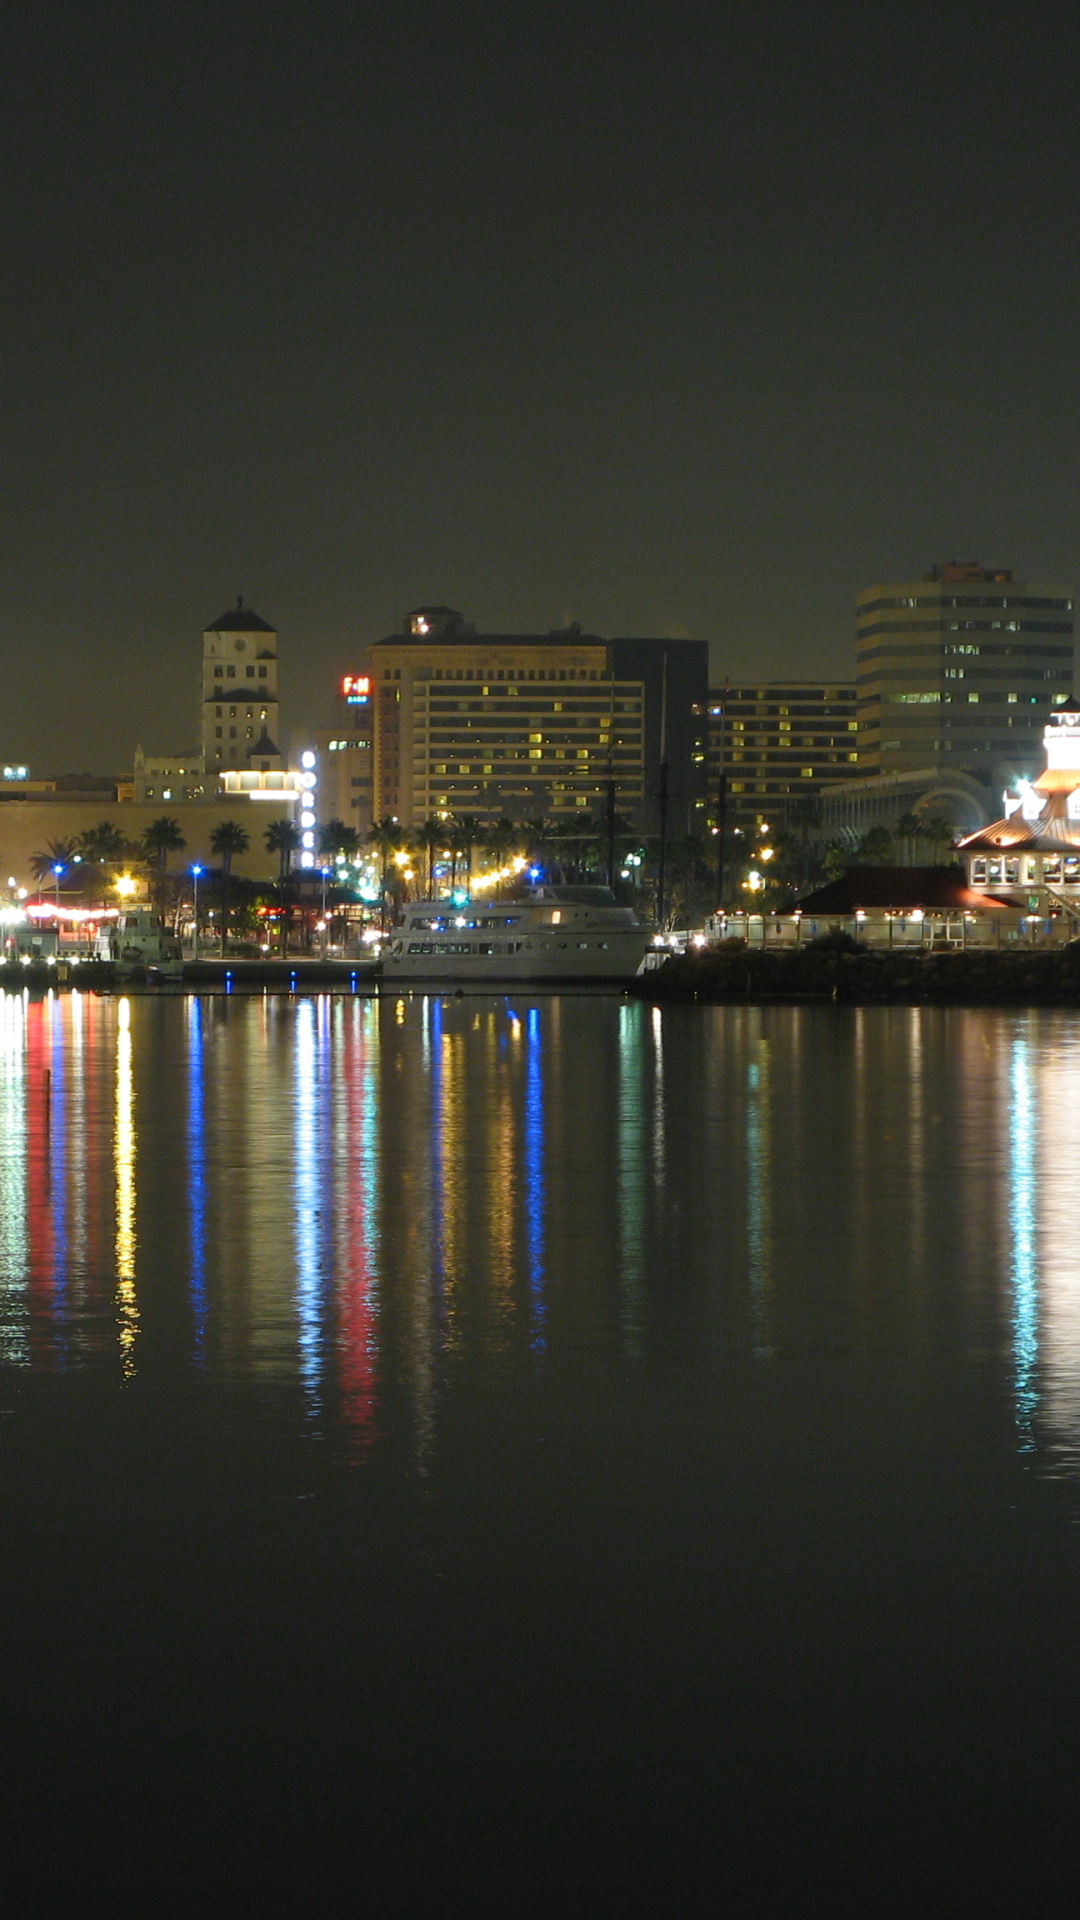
(991,650)
(249,713)
(735,699)
(1008,600)
(229,673)
(506,673)
(1058,674)
(776,759)
(493,705)
(964,626)
(626,762)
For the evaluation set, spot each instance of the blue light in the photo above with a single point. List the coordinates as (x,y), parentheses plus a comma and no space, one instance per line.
(535,873)
(534,1173)
(197,1174)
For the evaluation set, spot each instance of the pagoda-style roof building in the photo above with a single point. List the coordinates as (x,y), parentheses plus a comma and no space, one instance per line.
(1033,851)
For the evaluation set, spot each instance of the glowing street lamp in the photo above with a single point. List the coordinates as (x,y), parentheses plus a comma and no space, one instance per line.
(195,872)
(57,871)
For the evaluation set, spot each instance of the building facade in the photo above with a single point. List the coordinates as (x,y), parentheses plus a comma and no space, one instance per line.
(533,724)
(779,740)
(1031,856)
(345,755)
(239,712)
(961,670)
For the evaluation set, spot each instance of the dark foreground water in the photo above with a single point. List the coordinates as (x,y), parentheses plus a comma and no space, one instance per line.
(544,1455)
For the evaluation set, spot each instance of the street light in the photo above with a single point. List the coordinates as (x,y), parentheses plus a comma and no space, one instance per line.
(57,871)
(195,872)
(324,873)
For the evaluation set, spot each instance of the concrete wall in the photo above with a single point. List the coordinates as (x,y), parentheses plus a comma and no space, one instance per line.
(26,826)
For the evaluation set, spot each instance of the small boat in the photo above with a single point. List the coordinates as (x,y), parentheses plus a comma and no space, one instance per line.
(138,945)
(564,934)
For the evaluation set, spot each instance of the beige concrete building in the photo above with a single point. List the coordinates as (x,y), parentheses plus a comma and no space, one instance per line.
(28,826)
(960,670)
(779,740)
(500,724)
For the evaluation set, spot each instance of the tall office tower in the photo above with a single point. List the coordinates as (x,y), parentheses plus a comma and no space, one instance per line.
(961,670)
(531,724)
(240,693)
(778,740)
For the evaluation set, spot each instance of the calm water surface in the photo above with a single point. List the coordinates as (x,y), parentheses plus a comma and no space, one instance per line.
(545,1454)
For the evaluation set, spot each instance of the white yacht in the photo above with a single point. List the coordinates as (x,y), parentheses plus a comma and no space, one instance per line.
(543,933)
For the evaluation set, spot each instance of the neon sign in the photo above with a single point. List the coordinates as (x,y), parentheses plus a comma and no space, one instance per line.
(356,689)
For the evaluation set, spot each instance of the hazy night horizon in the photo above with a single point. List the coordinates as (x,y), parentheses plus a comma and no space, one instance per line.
(687,325)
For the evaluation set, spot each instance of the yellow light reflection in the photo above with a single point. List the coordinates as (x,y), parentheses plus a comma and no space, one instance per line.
(127,1309)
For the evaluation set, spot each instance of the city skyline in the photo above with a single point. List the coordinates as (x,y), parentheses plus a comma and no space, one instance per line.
(683,324)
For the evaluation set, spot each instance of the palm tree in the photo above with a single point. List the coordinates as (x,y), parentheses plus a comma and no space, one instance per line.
(104,842)
(502,840)
(227,840)
(466,835)
(100,846)
(161,837)
(58,853)
(386,836)
(941,833)
(335,837)
(909,828)
(431,836)
(283,838)
(805,814)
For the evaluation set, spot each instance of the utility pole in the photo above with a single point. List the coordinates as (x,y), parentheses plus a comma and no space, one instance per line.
(610,806)
(662,809)
(721,829)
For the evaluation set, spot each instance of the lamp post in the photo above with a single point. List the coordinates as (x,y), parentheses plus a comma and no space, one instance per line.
(195,872)
(323,876)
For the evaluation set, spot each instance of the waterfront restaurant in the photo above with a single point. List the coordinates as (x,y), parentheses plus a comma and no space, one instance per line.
(1032,855)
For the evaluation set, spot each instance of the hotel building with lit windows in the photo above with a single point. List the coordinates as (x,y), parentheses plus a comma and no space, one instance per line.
(960,670)
(778,740)
(534,724)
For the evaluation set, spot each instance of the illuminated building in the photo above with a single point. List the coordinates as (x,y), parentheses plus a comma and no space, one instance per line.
(1032,854)
(777,740)
(240,721)
(171,776)
(960,670)
(345,755)
(533,724)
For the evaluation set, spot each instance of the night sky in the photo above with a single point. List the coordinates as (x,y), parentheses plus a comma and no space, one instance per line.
(667,319)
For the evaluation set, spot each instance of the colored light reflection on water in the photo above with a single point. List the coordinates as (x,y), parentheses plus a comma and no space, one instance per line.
(474,1412)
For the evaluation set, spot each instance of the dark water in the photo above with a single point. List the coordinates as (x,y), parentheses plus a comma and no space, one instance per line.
(538,1455)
